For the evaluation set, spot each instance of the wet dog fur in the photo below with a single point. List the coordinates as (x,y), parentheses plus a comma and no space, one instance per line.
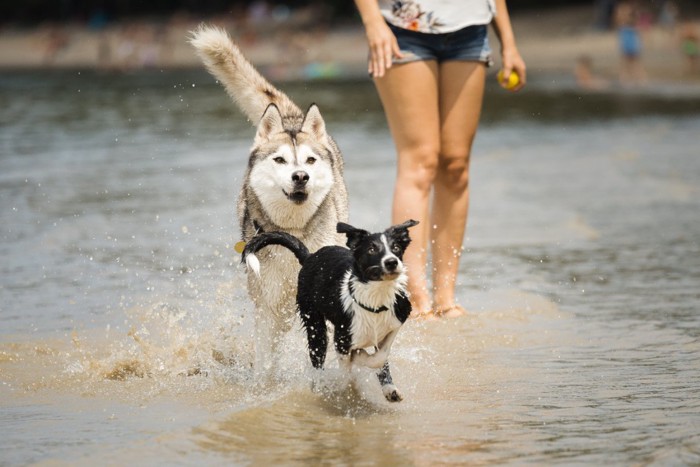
(360,290)
(293,182)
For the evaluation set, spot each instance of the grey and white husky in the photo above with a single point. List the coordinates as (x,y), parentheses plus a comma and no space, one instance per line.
(293,183)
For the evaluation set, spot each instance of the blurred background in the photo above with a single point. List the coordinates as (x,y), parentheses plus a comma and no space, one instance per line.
(576,39)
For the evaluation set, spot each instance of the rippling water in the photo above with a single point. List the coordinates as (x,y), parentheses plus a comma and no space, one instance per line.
(125,331)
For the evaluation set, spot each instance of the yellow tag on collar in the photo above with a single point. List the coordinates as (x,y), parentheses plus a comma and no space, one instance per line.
(239,246)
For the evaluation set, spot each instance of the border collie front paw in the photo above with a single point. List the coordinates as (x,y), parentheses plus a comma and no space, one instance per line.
(391,393)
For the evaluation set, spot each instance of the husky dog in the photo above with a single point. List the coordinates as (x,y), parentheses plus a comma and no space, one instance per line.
(361,290)
(293,183)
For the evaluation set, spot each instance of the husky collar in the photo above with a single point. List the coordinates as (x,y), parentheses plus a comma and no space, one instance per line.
(351,289)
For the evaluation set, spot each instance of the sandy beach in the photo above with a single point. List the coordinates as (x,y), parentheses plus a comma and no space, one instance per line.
(550,40)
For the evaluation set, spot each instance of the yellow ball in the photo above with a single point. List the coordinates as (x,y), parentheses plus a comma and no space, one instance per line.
(512,82)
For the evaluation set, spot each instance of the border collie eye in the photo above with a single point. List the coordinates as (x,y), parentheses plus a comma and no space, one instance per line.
(310,160)
(371,250)
(280,160)
(395,248)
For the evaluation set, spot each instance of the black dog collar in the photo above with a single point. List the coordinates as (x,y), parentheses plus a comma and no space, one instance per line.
(365,307)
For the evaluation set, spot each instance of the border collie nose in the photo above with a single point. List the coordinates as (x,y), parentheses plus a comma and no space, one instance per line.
(300,178)
(391,264)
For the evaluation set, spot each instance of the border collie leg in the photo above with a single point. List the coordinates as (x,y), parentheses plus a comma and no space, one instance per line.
(378,358)
(315,325)
(390,391)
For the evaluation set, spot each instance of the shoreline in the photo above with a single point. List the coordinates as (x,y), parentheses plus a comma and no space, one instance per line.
(551,41)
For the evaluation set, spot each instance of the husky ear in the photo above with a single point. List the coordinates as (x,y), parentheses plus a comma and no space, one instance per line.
(313,123)
(270,123)
(355,235)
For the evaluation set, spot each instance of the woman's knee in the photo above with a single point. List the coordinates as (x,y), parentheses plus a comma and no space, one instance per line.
(419,167)
(453,170)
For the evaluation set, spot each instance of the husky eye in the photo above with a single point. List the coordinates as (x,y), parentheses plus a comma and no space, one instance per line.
(310,160)
(280,160)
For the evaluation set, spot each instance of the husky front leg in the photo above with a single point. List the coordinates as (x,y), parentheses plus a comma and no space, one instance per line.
(274,312)
(264,345)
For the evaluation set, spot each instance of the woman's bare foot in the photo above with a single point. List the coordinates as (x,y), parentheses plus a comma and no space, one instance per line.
(423,315)
(449,312)
(421,308)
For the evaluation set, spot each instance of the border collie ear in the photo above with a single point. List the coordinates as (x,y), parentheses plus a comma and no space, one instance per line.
(409,223)
(354,234)
(400,231)
(270,123)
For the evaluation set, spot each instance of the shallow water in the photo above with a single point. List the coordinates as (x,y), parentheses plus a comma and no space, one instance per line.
(125,331)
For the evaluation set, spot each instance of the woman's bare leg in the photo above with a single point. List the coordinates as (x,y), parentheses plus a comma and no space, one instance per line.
(461,96)
(409,94)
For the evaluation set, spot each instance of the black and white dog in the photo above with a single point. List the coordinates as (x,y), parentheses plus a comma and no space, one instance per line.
(361,290)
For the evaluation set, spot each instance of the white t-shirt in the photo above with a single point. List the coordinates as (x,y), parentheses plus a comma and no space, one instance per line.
(437,16)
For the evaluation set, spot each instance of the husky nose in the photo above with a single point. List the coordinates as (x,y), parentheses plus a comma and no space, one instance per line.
(391,264)
(300,177)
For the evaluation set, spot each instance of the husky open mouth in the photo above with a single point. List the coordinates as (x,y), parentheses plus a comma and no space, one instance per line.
(296,196)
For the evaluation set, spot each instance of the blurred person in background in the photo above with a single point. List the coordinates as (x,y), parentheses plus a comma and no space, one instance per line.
(626,18)
(428,59)
(668,15)
(585,76)
(690,46)
(605,10)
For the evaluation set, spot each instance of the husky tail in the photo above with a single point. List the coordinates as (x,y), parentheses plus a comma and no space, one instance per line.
(249,90)
(264,239)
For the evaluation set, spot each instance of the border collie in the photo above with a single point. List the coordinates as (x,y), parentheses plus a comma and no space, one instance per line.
(360,290)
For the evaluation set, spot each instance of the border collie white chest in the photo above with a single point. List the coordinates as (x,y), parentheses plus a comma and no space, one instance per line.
(369,326)
(361,290)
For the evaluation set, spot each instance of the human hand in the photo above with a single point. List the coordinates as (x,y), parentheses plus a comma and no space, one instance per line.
(512,61)
(383,47)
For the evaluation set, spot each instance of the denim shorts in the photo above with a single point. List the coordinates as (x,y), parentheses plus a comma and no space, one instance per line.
(470,43)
